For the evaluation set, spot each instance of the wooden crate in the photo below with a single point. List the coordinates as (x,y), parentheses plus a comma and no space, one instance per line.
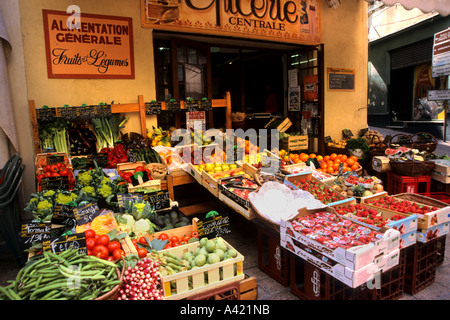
(441,173)
(198,275)
(247,213)
(195,173)
(179,232)
(249,288)
(294,143)
(212,184)
(41,159)
(148,185)
(282,127)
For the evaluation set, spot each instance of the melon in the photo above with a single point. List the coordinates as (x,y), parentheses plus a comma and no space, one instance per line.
(391,152)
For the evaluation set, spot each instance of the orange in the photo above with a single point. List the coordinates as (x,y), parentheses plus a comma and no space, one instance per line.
(355,167)
(350,162)
(330,170)
(312,156)
(333,156)
(336,166)
(292,156)
(345,164)
(354,158)
(326,158)
(323,165)
(339,156)
(337,161)
(319,158)
(286,158)
(304,157)
(344,158)
(330,163)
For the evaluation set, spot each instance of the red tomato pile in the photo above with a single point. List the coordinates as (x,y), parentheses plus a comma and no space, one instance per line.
(101,246)
(175,241)
(57,170)
(402,206)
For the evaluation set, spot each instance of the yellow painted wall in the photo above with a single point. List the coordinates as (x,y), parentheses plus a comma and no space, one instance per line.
(57,92)
(344,35)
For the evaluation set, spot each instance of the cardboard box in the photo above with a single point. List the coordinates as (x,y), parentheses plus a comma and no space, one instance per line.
(408,239)
(352,278)
(353,258)
(388,261)
(425,221)
(425,235)
(441,172)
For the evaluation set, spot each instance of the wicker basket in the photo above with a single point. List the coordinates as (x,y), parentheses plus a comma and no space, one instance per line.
(379,148)
(417,144)
(112,295)
(403,140)
(412,168)
(159,167)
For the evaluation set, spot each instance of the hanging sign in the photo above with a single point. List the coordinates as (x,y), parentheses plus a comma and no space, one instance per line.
(213,225)
(441,54)
(278,20)
(99,47)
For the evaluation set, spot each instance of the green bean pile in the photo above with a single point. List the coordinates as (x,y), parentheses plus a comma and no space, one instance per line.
(70,275)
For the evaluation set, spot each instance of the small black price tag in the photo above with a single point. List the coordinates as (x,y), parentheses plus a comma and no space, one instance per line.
(55,183)
(54,159)
(87,112)
(63,243)
(347,133)
(46,114)
(67,113)
(328,139)
(152,108)
(34,232)
(64,215)
(173,106)
(159,199)
(86,213)
(214,226)
(104,110)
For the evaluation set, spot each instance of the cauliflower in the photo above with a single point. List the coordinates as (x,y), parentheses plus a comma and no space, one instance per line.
(142,227)
(105,190)
(126,223)
(65,197)
(89,190)
(85,178)
(44,210)
(48,193)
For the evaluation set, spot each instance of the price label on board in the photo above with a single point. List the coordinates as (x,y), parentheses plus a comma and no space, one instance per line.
(63,243)
(213,226)
(328,139)
(86,213)
(159,199)
(46,114)
(67,113)
(64,215)
(54,159)
(347,133)
(34,232)
(55,183)
(87,112)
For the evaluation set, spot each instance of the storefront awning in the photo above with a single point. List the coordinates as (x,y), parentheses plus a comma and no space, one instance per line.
(426,6)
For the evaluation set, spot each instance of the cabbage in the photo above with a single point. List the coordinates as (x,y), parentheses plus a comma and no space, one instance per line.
(142,227)
(126,223)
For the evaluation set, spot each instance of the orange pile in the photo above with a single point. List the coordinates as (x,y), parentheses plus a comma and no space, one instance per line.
(329,164)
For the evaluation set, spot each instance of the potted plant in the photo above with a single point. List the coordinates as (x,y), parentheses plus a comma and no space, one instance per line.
(357,147)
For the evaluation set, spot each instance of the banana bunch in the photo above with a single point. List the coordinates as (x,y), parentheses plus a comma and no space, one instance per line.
(159,137)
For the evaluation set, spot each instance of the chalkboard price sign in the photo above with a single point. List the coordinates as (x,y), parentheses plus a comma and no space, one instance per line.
(54,159)
(68,113)
(347,133)
(87,112)
(63,243)
(86,213)
(46,114)
(104,110)
(64,215)
(55,183)
(214,226)
(34,232)
(101,159)
(159,199)
(328,139)
(152,108)
(341,79)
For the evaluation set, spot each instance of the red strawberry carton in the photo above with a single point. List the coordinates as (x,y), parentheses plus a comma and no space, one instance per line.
(339,238)
(375,217)
(430,212)
(350,277)
(408,239)
(388,261)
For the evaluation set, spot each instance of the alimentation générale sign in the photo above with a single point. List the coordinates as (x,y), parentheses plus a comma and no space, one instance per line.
(96,47)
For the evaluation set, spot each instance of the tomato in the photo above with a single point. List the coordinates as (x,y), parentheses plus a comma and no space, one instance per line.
(139,168)
(103,239)
(90,243)
(54,168)
(39,177)
(176,244)
(89,233)
(117,254)
(134,241)
(89,252)
(47,174)
(168,246)
(183,242)
(110,258)
(47,168)
(194,234)
(113,245)
(100,251)
(64,172)
(142,240)
(55,174)
(61,166)
(185,238)
(142,253)
(174,239)
(163,236)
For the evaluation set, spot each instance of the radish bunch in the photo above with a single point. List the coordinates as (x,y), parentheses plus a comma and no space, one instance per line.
(142,282)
